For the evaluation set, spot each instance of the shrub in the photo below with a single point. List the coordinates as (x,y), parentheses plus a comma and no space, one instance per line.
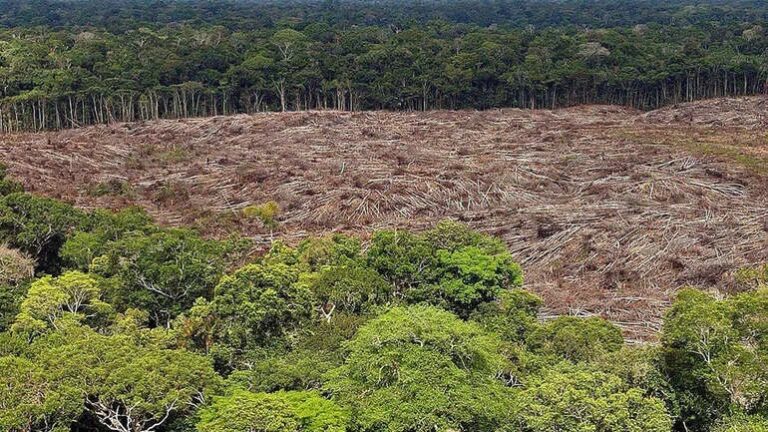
(752,277)
(8,186)
(267,213)
(111,187)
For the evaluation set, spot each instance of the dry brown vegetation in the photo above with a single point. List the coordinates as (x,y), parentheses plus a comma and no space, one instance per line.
(608,209)
(15,267)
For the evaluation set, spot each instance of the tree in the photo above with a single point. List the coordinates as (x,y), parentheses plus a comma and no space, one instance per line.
(105,227)
(251,75)
(715,353)
(351,288)
(315,253)
(73,294)
(420,368)
(290,45)
(567,398)
(402,258)
(29,401)
(642,367)
(469,277)
(38,227)
(260,303)
(243,411)
(15,267)
(575,339)
(449,266)
(126,387)
(301,369)
(513,316)
(161,272)
(742,423)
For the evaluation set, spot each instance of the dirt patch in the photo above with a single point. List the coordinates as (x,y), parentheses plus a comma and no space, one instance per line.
(609,210)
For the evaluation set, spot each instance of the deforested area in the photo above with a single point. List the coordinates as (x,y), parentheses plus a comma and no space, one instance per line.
(383,216)
(609,210)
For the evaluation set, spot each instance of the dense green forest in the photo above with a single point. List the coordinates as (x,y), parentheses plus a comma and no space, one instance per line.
(109,322)
(66,64)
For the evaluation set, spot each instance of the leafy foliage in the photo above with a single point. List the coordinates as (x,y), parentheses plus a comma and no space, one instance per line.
(15,267)
(576,339)
(244,411)
(260,303)
(715,353)
(72,295)
(125,62)
(145,329)
(30,401)
(449,266)
(126,386)
(353,289)
(512,316)
(15,270)
(743,424)
(570,399)
(38,227)
(267,213)
(420,368)
(7,185)
(296,370)
(752,277)
(162,272)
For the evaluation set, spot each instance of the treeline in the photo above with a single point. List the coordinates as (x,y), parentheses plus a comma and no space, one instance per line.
(123,15)
(111,323)
(70,78)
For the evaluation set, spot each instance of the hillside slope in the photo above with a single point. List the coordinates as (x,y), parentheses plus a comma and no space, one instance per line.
(609,210)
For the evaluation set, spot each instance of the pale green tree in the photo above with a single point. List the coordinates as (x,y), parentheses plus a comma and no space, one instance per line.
(72,295)
(244,411)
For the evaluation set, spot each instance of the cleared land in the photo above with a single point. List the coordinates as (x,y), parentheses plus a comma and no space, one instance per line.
(609,209)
